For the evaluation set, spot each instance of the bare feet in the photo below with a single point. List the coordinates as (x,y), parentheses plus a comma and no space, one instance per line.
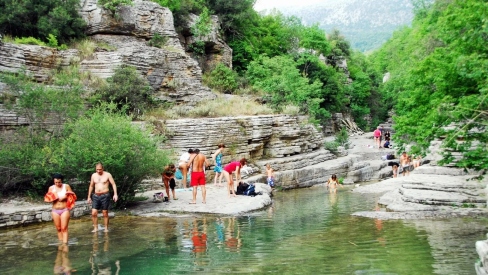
(106,230)
(204,202)
(94,230)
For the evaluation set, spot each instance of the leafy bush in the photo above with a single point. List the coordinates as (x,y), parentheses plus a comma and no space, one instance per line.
(29,41)
(342,138)
(158,41)
(332,146)
(52,41)
(26,155)
(39,18)
(284,84)
(127,87)
(113,5)
(128,152)
(222,79)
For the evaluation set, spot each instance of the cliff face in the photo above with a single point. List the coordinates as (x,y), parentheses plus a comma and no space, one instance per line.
(291,145)
(171,71)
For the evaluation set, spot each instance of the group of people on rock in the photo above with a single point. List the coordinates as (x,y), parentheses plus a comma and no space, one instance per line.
(379,135)
(407,163)
(192,165)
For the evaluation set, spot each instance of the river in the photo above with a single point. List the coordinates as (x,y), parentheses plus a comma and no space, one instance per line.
(305,231)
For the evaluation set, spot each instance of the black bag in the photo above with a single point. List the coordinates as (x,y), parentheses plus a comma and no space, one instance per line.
(390,156)
(241,188)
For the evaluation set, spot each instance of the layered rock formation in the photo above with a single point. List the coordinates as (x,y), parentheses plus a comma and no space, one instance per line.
(429,192)
(171,72)
(289,144)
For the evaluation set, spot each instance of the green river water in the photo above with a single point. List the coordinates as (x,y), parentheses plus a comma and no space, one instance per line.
(305,231)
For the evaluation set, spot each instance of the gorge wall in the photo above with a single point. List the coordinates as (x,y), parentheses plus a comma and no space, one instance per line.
(289,143)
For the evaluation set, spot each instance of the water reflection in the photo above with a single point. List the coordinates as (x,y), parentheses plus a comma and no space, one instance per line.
(100,259)
(303,232)
(62,264)
(232,236)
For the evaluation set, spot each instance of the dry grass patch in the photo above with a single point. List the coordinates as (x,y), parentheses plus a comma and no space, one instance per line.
(222,106)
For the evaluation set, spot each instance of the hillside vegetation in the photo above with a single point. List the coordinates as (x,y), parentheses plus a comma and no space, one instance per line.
(439,84)
(438,68)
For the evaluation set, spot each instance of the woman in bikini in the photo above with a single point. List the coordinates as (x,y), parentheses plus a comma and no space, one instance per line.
(228,170)
(332,184)
(59,194)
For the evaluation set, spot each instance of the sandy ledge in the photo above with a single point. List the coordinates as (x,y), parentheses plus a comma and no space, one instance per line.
(218,202)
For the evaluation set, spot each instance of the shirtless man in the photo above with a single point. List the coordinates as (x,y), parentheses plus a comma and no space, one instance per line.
(404,163)
(198,163)
(101,197)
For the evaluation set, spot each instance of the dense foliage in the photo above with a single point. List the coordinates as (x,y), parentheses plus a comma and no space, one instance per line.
(64,137)
(39,18)
(438,85)
(127,89)
(127,151)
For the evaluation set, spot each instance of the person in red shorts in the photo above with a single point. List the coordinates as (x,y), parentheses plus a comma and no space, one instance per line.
(198,163)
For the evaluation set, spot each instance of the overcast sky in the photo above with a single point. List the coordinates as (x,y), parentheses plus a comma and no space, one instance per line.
(269,4)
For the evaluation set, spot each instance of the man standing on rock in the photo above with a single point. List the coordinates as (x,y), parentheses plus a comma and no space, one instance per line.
(101,197)
(198,164)
(404,163)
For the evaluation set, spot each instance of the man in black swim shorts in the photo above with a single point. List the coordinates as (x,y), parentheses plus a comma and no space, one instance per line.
(99,192)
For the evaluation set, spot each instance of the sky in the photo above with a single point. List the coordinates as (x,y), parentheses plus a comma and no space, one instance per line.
(270,4)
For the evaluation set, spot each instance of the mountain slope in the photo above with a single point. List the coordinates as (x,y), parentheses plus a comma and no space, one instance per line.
(366,24)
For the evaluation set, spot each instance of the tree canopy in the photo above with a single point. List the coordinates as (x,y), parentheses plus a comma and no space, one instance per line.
(438,80)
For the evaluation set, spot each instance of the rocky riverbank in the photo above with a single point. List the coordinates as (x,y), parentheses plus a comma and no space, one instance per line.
(428,192)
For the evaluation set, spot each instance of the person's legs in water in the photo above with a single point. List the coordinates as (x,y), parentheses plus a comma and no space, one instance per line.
(61,220)
(95,220)
(105,219)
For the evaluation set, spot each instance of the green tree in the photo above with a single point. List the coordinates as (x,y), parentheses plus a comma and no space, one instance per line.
(127,87)
(438,69)
(39,18)
(129,152)
(222,79)
(280,79)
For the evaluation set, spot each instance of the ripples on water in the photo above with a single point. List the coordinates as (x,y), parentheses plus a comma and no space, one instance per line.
(304,232)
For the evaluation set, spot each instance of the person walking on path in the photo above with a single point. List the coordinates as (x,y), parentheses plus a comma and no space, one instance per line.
(183,165)
(63,199)
(333,183)
(100,199)
(217,157)
(168,177)
(377,137)
(228,170)
(198,162)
